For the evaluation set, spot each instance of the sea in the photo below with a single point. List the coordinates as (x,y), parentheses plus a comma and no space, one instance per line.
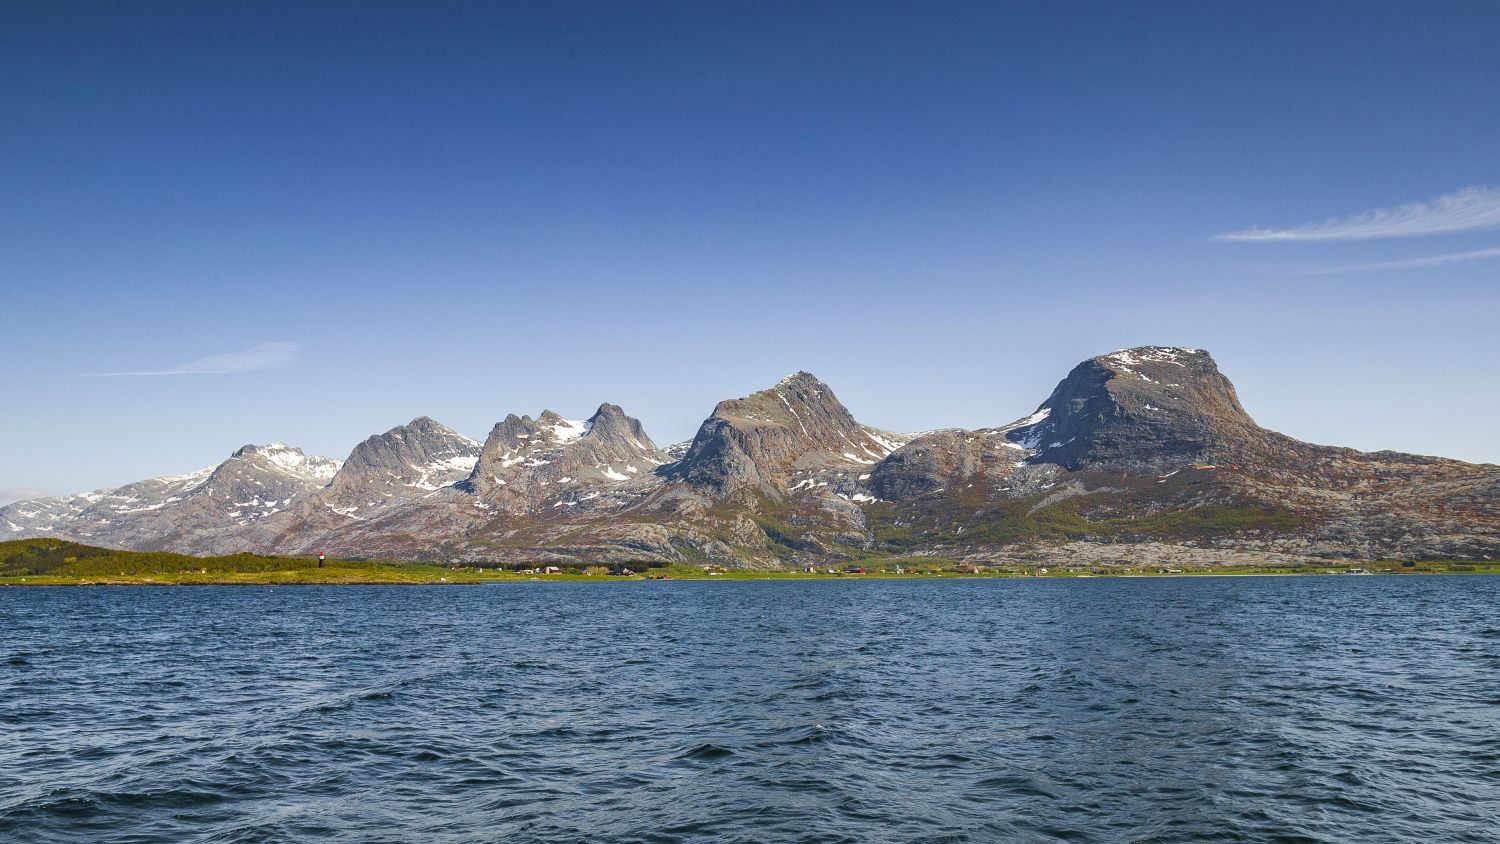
(1190,709)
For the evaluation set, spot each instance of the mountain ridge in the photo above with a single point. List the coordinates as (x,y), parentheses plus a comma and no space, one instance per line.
(1137,447)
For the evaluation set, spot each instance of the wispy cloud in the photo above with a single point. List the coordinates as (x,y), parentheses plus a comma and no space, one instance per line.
(20,493)
(264,356)
(1462,210)
(1404,264)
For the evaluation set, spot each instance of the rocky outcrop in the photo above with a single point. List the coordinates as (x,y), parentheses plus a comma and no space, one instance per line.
(551,463)
(1143,409)
(407,461)
(769,441)
(258,480)
(941,460)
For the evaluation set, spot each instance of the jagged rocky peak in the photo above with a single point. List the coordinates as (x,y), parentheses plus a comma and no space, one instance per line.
(554,428)
(421,442)
(610,424)
(1143,408)
(759,442)
(608,427)
(515,435)
(422,454)
(263,478)
(526,461)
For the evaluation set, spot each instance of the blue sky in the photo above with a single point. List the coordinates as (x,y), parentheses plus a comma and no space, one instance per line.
(466,210)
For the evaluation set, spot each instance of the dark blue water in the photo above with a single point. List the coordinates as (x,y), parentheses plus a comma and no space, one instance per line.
(1227,709)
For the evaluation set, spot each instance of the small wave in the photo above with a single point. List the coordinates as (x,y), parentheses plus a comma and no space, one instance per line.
(707,751)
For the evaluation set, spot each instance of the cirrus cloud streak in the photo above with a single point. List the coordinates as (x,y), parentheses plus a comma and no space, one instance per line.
(1403,264)
(1468,209)
(254,359)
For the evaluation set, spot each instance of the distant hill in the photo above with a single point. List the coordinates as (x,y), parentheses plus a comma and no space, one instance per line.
(36,557)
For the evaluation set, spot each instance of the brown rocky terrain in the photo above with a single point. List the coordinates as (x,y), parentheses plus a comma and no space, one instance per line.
(1141,455)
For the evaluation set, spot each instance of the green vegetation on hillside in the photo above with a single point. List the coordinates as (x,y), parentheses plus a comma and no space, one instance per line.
(56,560)
(58,557)
(1096,516)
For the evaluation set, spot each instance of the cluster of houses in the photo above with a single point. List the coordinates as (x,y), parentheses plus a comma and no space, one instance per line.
(541,570)
(614,571)
(845,570)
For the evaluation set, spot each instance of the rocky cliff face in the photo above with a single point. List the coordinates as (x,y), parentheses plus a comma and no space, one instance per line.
(1140,453)
(258,480)
(552,463)
(1140,409)
(407,461)
(936,462)
(770,441)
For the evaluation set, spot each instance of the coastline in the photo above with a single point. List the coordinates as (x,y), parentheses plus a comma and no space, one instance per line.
(398,577)
(52,562)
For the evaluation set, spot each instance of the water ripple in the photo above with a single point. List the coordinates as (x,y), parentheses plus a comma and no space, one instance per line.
(1181,710)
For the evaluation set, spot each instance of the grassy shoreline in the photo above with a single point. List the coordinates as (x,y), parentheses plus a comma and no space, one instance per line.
(52,562)
(384,574)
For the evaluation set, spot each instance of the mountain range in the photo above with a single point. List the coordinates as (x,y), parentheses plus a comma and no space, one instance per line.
(1141,455)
